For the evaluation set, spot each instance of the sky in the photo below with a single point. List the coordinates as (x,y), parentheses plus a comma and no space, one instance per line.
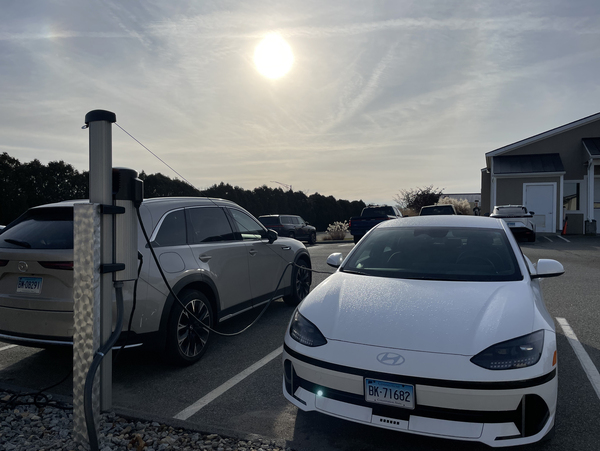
(381,96)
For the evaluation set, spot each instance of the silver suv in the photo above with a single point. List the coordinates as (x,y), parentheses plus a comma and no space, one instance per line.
(218,258)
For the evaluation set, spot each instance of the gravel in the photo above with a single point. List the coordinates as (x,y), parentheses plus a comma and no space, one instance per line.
(48,426)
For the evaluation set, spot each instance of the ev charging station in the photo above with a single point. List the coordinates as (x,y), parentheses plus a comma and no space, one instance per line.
(105,255)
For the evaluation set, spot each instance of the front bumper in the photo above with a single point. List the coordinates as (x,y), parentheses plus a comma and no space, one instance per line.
(497,414)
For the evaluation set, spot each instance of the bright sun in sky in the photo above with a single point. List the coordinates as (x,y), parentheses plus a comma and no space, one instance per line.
(273,56)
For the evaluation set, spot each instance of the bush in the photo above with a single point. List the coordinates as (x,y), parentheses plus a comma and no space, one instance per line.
(337,230)
(461,206)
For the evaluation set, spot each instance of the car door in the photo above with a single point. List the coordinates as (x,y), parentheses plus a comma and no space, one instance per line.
(266,261)
(303,228)
(222,257)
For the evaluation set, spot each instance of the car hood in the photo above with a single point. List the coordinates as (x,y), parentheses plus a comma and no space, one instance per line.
(430,316)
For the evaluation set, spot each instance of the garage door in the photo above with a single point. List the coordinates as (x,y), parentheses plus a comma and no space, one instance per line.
(541,199)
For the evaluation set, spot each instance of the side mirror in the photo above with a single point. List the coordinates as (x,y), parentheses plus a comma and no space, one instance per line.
(271,235)
(547,268)
(531,212)
(335,260)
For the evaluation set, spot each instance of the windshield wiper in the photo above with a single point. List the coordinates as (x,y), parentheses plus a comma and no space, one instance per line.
(18,243)
(353,271)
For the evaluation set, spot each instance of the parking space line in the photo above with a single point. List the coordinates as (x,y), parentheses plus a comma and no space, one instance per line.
(548,239)
(345,245)
(4,348)
(202,402)
(582,355)
(558,236)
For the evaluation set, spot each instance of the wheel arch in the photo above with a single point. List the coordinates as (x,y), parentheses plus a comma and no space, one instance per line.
(198,282)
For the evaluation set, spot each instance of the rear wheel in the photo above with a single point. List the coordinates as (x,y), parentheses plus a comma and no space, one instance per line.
(301,280)
(187,339)
(312,238)
(531,238)
(357,238)
(292,235)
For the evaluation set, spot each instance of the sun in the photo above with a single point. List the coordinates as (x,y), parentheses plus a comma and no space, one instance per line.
(273,56)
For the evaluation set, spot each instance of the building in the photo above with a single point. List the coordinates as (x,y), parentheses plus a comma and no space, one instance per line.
(555,174)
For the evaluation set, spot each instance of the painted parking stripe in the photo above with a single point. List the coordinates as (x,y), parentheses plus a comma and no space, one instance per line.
(4,348)
(562,238)
(582,355)
(346,245)
(202,402)
(548,239)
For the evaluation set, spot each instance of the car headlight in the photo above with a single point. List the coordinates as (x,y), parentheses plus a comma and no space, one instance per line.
(516,353)
(305,332)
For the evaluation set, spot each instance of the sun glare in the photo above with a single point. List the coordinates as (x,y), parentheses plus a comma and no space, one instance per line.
(273,56)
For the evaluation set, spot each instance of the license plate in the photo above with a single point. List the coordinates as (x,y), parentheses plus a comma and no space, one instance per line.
(390,393)
(30,285)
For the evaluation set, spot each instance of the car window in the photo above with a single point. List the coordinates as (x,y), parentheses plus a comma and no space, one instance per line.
(436,253)
(172,231)
(42,228)
(286,220)
(208,224)
(294,220)
(301,221)
(249,228)
(269,220)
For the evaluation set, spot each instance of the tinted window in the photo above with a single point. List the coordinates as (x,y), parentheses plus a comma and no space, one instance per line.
(43,228)
(295,220)
(269,220)
(286,220)
(436,253)
(248,227)
(172,230)
(208,224)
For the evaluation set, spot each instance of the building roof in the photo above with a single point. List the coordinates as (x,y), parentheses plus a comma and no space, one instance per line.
(544,135)
(528,164)
(592,145)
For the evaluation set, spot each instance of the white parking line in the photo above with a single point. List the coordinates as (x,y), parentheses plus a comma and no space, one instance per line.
(558,236)
(4,348)
(345,245)
(584,358)
(548,239)
(191,410)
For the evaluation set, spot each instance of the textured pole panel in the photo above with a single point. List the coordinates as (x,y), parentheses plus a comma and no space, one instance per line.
(86,311)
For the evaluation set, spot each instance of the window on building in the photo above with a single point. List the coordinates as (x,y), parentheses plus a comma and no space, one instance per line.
(571,195)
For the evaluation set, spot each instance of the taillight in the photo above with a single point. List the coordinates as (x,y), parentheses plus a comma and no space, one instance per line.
(58,265)
(3,263)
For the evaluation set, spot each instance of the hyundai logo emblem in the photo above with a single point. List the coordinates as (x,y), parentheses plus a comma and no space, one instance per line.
(23,266)
(390,358)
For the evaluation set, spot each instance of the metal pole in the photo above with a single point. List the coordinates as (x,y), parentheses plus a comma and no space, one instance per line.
(100,124)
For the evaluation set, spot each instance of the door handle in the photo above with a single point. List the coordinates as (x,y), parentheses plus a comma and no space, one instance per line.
(286,248)
(205,258)
(252,252)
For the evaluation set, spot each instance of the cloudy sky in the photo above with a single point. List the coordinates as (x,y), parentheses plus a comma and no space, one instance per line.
(381,95)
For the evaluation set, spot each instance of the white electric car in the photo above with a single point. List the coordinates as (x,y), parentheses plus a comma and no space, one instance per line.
(432,325)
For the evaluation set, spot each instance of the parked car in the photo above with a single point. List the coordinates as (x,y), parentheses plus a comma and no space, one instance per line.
(518,219)
(445,209)
(292,226)
(218,258)
(369,217)
(434,326)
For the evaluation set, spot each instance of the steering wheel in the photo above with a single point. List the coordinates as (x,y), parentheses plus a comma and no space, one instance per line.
(475,259)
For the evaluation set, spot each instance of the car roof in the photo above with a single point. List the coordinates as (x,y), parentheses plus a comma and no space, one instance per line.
(480,222)
(172,202)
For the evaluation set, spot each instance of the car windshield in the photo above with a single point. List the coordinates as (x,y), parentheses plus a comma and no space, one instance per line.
(43,228)
(436,253)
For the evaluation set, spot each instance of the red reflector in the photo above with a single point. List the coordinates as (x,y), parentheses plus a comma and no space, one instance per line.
(58,265)
(3,262)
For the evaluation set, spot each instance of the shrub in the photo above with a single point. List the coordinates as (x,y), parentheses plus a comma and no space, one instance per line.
(337,230)
(461,206)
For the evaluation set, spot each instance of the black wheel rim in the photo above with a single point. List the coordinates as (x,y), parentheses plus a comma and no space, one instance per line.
(191,336)
(302,282)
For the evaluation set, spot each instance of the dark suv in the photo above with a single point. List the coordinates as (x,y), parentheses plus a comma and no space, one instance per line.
(291,226)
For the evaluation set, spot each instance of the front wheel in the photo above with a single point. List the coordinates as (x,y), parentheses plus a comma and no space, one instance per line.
(300,284)
(187,339)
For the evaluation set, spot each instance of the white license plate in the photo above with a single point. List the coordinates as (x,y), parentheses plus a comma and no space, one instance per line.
(31,285)
(390,393)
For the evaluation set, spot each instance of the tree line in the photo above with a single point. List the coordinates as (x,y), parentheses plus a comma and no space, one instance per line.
(26,185)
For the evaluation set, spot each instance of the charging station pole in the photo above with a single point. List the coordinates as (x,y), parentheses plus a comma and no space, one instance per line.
(92,290)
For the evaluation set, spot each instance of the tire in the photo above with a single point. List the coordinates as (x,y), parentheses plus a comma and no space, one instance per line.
(187,340)
(357,238)
(300,283)
(292,235)
(531,238)
(312,238)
